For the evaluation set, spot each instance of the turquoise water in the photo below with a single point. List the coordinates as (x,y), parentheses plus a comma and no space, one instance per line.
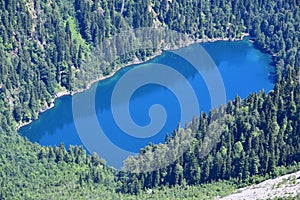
(243,68)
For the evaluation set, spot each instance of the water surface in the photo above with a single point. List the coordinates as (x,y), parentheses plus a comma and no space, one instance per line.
(243,68)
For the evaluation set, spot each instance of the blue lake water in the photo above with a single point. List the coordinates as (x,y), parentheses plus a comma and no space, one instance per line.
(243,69)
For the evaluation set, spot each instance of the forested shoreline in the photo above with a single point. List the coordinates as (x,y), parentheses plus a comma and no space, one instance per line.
(97,79)
(43,45)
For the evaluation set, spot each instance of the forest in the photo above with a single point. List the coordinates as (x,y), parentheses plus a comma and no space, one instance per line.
(43,44)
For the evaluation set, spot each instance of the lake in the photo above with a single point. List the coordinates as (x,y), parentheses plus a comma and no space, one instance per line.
(243,69)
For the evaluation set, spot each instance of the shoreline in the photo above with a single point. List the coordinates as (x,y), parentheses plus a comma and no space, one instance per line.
(134,62)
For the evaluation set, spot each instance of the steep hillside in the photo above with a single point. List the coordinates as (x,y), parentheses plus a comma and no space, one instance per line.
(43,45)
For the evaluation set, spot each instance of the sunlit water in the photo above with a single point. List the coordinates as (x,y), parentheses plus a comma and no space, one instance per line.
(244,69)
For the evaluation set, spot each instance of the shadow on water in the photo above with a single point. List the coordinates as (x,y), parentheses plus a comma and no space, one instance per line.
(105,87)
(272,77)
(50,121)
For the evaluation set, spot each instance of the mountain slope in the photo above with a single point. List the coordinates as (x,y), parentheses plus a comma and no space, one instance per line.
(43,45)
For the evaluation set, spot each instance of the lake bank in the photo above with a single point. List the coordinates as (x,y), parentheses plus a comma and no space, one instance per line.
(239,63)
(134,62)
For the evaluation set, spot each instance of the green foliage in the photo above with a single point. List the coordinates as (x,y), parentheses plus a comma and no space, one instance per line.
(247,154)
(42,48)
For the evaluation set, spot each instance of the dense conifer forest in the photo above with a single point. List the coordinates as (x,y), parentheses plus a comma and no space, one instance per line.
(43,44)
